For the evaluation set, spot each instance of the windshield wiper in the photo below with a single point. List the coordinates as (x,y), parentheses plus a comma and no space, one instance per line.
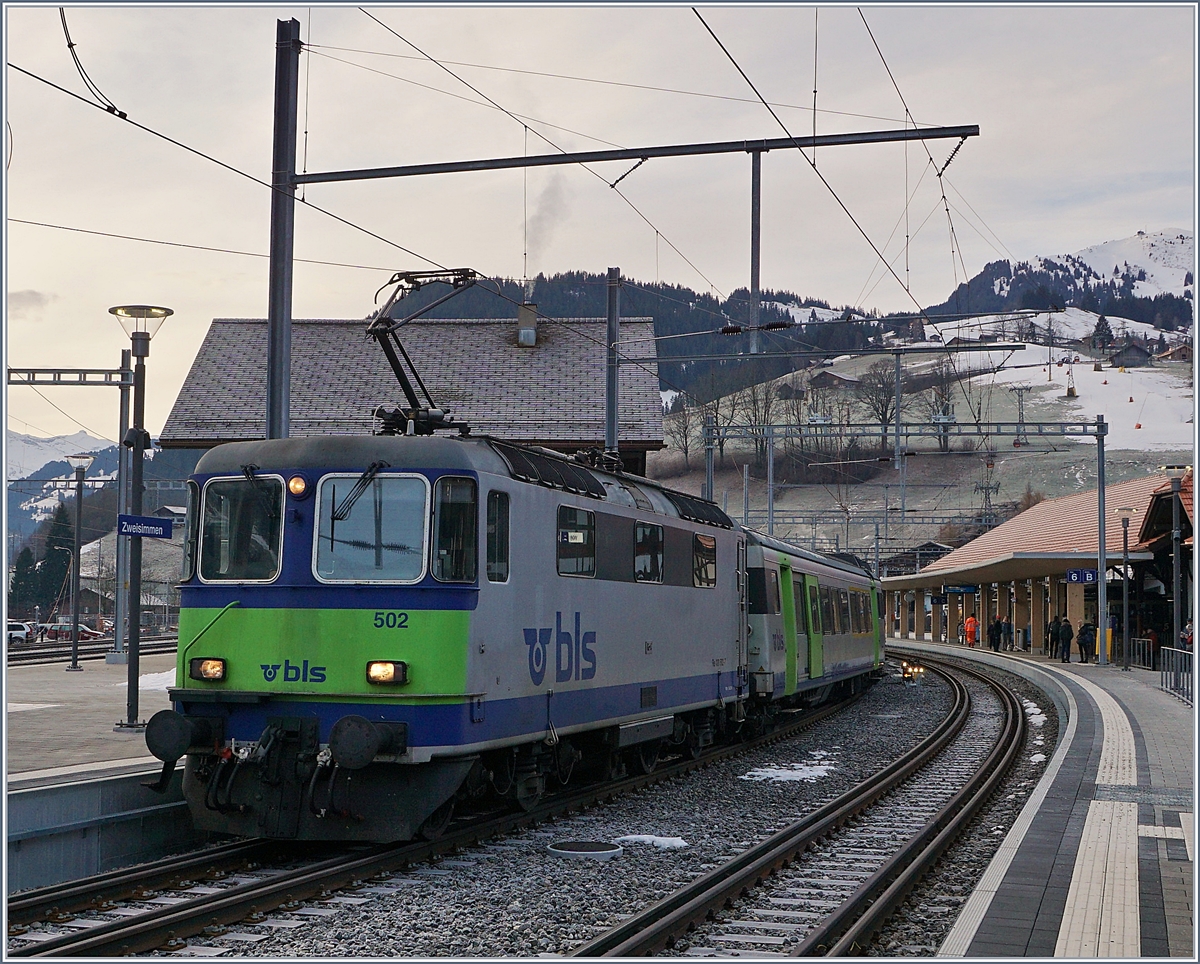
(342,512)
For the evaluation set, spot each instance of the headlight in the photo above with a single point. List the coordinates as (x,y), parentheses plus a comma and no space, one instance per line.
(206,668)
(297,486)
(387,672)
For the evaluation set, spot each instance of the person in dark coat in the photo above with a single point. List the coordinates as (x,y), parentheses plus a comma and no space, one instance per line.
(1066,632)
(995,634)
(1087,640)
(1008,634)
(1052,648)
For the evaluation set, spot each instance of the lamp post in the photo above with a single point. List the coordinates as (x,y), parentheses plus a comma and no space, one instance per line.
(1125,512)
(80,464)
(141,323)
(1175,473)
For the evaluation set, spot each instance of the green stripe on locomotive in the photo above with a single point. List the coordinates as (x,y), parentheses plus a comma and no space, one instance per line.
(284,650)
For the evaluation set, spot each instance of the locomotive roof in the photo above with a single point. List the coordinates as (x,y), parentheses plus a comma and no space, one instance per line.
(817,557)
(467,453)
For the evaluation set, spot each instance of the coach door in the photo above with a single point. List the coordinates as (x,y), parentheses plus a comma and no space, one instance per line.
(816,639)
(791,620)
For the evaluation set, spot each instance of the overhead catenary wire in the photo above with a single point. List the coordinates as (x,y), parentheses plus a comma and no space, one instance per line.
(99,435)
(95,91)
(605,82)
(556,147)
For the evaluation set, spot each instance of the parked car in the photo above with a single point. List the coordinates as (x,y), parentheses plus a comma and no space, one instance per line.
(62,630)
(20,632)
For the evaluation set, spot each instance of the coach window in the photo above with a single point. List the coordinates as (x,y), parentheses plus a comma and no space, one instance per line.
(814,607)
(704,562)
(371,533)
(455,551)
(191,531)
(843,598)
(647,552)
(241,529)
(576,541)
(497,537)
(828,610)
(773,591)
(802,627)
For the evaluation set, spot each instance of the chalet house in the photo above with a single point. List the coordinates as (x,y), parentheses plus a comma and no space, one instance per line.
(1131,355)
(542,387)
(1182,352)
(828,379)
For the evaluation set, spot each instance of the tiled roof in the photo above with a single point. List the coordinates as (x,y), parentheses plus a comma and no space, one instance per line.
(1046,539)
(553,392)
(1156,525)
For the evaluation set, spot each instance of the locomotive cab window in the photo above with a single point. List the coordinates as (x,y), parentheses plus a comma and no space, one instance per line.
(191,532)
(241,529)
(576,541)
(704,561)
(497,537)
(648,552)
(456,551)
(376,535)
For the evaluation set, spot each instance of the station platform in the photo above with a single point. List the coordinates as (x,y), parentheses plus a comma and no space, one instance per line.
(60,724)
(1100,861)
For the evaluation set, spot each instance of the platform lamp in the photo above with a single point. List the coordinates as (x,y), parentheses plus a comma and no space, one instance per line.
(80,464)
(141,323)
(1125,512)
(1175,473)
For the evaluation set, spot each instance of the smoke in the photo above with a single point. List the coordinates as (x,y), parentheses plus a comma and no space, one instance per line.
(549,210)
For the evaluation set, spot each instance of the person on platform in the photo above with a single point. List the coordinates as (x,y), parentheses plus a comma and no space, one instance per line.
(1052,648)
(1185,637)
(995,634)
(962,633)
(1066,633)
(972,627)
(1008,634)
(1087,641)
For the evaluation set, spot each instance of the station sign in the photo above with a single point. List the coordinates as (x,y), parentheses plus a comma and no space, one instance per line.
(1087,576)
(962,590)
(147,526)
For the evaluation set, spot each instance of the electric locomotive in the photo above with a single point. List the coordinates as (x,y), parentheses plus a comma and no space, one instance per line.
(375,628)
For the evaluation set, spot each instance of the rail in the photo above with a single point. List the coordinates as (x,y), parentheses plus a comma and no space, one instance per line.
(1175,673)
(662,924)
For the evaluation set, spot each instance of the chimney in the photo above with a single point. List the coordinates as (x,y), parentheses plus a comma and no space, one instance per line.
(527,325)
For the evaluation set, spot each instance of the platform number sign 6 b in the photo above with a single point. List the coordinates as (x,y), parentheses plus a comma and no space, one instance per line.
(1087,576)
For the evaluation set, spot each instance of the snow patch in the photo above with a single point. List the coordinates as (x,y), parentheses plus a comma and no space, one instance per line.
(155,681)
(1034,713)
(820,764)
(1038,758)
(662,843)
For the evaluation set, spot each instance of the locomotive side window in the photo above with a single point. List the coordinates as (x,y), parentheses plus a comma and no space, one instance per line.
(576,541)
(704,562)
(773,591)
(456,551)
(497,537)
(647,552)
(377,536)
(191,531)
(241,530)
(814,607)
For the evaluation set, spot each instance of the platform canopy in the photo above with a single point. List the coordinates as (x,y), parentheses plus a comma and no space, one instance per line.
(1045,540)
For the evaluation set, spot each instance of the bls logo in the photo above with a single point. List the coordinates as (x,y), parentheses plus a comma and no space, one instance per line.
(293,673)
(574,657)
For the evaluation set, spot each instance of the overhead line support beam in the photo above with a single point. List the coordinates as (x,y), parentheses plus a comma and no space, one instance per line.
(638,153)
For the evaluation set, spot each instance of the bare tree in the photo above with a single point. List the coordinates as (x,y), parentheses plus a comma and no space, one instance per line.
(680,429)
(935,401)
(876,389)
(724,411)
(758,405)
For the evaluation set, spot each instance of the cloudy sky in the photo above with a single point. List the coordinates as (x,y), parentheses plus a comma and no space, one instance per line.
(1087,118)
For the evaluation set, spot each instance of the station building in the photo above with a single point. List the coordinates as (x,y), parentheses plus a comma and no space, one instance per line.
(1021,569)
(545,386)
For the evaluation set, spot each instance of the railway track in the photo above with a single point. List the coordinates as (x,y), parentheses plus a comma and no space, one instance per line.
(40,655)
(824,885)
(159,906)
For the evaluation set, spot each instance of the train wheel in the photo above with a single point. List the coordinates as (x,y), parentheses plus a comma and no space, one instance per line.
(437,822)
(646,757)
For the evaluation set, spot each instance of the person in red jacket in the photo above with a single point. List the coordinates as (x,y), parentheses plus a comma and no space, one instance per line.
(972,627)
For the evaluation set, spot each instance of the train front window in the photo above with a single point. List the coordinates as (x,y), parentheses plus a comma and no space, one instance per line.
(191,531)
(455,555)
(378,535)
(241,531)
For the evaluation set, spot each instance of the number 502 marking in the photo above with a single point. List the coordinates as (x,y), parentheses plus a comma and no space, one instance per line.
(391,620)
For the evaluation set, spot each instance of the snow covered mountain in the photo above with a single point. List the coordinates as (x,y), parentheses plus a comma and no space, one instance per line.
(1146,278)
(28,453)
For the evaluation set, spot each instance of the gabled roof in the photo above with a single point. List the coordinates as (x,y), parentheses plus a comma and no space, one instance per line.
(1046,539)
(1155,526)
(550,394)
